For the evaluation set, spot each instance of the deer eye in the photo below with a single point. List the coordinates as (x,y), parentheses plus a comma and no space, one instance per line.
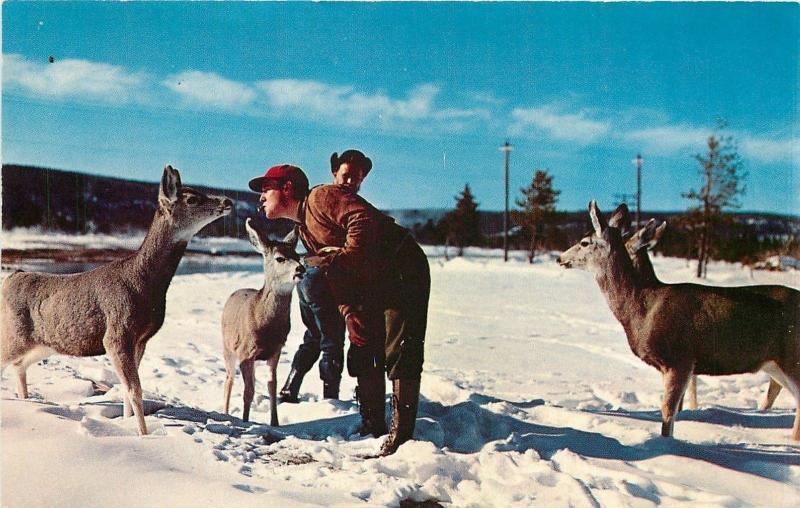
(585,243)
(192,200)
(280,259)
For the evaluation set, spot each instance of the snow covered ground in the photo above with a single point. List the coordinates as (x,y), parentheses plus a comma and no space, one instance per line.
(530,397)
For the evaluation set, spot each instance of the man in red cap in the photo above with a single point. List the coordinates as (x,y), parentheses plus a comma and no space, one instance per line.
(324,324)
(380,279)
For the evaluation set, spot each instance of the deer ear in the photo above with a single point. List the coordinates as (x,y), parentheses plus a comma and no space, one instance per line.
(598,222)
(650,235)
(621,219)
(659,232)
(255,237)
(170,185)
(643,237)
(291,238)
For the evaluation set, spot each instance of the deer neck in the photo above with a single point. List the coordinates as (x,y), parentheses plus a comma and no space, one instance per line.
(156,261)
(271,302)
(643,266)
(622,290)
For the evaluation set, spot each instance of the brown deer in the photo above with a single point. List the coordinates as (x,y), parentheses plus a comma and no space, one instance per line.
(648,237)
(255,323)
(114,309)
(685,329)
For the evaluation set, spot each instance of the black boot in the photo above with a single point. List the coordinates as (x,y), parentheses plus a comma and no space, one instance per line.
(405,399)
(371,404)
(291,389)
(330,390)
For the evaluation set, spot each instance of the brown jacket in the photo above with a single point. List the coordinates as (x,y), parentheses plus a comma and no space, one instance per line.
(333,216)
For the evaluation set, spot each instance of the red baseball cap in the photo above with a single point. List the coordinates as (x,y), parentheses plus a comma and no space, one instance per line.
(276,176)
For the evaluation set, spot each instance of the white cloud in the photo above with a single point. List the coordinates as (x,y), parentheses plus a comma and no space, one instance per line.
(72,78)
(770,150)
(350,107)
(304,99)
(671,139)
(573,127)
(208,89)
(668,139)
(487,98)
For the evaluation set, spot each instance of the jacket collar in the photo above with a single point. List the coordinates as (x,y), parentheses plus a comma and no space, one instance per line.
(301,211)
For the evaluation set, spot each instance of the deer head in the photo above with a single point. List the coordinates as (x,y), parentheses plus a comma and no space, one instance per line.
(646,238)
(282,267)
(188,210)
(592,249)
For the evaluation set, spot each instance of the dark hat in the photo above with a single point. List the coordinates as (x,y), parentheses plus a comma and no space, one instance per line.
(353,157)
(276,176)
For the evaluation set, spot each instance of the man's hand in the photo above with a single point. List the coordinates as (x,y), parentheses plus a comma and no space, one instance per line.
(356,330)
(321,262)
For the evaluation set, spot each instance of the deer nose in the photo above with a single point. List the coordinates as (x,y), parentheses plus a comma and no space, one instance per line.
(227,203)
(300,269)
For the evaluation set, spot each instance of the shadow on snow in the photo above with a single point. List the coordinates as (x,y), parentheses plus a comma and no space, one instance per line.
(467,427)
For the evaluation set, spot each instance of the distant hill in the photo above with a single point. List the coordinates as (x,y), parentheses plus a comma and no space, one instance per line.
(77,202)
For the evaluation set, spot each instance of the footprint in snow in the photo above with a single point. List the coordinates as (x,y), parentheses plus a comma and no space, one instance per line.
(251,489)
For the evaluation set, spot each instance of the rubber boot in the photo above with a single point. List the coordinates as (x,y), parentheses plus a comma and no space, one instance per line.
(330,390)
(290,391)
(405,399)
(372,405)
(330,372)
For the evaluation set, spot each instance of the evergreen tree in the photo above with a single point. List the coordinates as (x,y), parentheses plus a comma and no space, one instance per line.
(538,203)
(722,178)
(463,223)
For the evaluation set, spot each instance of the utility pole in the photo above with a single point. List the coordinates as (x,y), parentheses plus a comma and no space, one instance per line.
(638,161)
(506,148)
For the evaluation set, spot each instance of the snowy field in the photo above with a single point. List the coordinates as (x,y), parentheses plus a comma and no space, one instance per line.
(530,397)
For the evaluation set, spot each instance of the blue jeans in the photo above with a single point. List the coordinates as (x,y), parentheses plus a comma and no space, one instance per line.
(324,328)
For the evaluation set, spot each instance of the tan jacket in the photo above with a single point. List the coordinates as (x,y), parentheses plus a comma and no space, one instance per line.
(334,216)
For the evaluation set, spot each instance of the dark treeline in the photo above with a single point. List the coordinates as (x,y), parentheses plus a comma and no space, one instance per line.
(745,237)
(79,203)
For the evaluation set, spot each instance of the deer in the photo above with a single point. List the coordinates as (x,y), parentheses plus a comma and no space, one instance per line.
(255,323)
(113,309)
(646,238)
(685,329)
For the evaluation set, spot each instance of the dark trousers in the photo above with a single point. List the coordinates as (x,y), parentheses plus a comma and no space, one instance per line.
(324,328)
(398,312)
(406,312)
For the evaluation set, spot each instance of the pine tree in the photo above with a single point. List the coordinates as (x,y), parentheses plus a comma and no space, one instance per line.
(463,223)
(538,205)
(722,176)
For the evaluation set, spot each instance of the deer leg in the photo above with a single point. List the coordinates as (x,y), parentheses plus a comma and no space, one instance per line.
(22,382)
(692,390)
(793,385)
(127,405)
(249,376)
(230,372)
(772,393)
(789,377)
(272,386)
(23,362)
(124,362)
(675,381)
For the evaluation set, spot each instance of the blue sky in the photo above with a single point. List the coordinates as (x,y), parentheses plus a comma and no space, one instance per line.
(428,90)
